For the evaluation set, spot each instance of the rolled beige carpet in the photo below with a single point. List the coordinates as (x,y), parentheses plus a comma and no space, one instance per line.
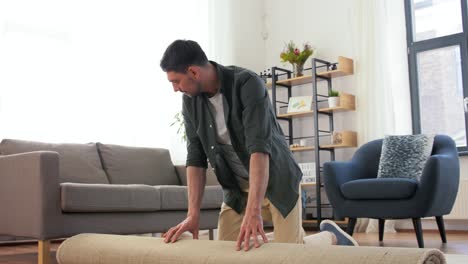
(116,249)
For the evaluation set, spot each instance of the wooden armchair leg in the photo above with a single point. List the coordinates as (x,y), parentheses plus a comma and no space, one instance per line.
(43,252)
(211,234)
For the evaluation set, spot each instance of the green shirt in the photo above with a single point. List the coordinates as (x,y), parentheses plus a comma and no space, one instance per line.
(253,128)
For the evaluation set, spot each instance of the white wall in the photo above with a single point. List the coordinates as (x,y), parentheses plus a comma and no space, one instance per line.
(236,33)
(325,25)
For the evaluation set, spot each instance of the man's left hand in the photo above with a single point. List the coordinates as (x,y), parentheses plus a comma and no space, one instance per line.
(252,226)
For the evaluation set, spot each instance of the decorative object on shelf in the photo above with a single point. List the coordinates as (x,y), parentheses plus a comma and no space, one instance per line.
(295,145)
(333,99)
(265,75)
(337,138)
(303,142)
(299,104)
(296,57)
(332,67)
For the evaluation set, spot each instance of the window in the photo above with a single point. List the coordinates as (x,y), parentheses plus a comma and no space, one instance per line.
(437,54)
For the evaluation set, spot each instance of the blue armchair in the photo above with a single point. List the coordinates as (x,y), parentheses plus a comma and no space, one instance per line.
(355,191)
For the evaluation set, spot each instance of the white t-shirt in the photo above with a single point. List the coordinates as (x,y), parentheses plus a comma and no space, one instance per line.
(224,140)
(217,109)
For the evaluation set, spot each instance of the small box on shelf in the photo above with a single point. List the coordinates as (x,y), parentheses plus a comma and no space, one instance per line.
(342,139)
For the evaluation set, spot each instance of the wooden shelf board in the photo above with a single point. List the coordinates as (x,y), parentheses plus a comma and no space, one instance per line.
(337,146)
(308,184)
(334,73)
(296,114)
(336,109)
(296,81)
(302,148)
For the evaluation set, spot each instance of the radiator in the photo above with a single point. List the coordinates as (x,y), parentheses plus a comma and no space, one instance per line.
(460,208)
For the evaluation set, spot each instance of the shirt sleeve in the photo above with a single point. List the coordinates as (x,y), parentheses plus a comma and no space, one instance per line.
(256,116)
(196,156)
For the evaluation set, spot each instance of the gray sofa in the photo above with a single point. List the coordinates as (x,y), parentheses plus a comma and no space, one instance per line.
(52,191)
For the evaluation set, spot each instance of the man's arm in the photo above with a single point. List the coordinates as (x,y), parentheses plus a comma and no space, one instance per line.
(252,224)
(196,179)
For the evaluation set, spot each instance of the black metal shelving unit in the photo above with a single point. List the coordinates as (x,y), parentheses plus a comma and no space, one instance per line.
(278,75)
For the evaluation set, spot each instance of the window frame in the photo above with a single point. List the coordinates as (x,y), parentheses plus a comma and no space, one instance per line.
(414,47)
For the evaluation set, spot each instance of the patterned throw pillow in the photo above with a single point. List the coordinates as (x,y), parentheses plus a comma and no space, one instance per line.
(404,156)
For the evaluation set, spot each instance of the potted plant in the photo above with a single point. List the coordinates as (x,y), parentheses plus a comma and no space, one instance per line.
(179,123)
(296,57)
(333,99)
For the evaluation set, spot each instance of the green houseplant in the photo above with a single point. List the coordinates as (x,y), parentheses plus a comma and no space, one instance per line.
(179,123)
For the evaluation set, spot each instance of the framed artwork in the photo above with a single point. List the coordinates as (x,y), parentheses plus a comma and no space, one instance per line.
(299,104)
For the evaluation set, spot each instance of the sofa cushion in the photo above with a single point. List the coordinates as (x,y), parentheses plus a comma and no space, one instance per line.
(176,197)
(374,189)
(134,165)
(404,156)
(210,175)
(79,163)
(102,198)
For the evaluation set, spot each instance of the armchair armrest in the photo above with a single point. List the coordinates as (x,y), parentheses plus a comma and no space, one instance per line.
(439,184)
(335,174)
(30,195)
(340,171)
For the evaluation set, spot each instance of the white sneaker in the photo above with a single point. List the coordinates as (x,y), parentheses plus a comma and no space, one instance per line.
(342,238)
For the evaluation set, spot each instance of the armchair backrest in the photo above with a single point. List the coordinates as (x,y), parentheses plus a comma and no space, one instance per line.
(367,157)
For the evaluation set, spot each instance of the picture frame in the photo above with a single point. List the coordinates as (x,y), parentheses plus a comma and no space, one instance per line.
(299,104)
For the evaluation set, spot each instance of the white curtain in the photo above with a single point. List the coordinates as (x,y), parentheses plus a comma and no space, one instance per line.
(87,71)
(381,68)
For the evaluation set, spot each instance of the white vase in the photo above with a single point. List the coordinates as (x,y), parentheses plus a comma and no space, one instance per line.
(333,102)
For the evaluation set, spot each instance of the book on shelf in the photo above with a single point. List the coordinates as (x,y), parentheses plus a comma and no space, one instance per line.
(308,172)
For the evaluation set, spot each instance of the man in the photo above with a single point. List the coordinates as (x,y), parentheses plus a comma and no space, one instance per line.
(229,120)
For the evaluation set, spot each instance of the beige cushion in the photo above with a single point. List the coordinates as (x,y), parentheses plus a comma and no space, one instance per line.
(78,162)
(135,165)
(94,198)
(98,248)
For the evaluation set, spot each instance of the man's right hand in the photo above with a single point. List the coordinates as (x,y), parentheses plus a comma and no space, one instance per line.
(190,224)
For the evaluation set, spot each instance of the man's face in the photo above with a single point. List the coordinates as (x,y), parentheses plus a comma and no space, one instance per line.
(186,83)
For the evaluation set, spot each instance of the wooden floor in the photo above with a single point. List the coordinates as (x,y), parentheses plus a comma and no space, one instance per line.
(457,244)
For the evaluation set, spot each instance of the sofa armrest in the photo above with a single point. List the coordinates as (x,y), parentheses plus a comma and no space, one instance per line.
(439,182)
(30,195)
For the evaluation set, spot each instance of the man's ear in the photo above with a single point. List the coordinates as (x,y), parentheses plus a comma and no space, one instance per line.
(194,71)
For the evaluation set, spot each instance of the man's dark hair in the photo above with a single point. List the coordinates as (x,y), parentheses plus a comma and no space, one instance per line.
(181,54)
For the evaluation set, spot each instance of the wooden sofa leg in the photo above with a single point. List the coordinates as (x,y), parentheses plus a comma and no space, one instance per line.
(43,252)
(211,234)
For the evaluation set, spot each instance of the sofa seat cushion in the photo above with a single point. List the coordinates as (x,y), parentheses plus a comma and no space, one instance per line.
(136,165)
(78,162)
(383,189)
(76,197)
(176,197)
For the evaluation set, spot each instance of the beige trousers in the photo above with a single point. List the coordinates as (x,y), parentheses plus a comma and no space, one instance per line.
(286,230)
